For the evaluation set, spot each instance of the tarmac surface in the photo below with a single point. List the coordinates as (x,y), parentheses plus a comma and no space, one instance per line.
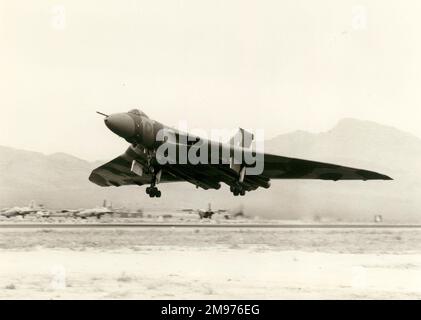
(209,260)
(204,225)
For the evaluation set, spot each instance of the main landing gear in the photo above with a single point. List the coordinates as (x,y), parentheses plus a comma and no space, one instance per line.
(153,191)
(238,190)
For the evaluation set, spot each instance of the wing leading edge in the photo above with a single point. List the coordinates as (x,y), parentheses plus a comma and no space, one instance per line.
(117,172)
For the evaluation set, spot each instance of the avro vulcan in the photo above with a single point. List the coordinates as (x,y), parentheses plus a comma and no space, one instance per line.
(142,163)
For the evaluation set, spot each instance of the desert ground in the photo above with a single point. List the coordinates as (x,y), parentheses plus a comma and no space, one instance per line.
(210,263)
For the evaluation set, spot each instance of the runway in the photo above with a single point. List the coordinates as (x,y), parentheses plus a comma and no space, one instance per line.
(210,260)
(204,225)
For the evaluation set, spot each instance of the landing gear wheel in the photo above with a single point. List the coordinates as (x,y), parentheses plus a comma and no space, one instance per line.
(237,190)
(153,192)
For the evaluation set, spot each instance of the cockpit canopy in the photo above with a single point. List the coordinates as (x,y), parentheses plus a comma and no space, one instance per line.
(138,113)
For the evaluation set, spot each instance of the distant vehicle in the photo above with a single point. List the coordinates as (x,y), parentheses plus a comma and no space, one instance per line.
(24,211)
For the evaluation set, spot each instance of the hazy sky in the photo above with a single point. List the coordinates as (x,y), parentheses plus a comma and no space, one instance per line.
(277,65)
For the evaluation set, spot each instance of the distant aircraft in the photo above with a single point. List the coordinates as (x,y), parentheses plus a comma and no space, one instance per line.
(97,212)
(94,212)
(205,213)
(139,165)
(24,211)
(84,213)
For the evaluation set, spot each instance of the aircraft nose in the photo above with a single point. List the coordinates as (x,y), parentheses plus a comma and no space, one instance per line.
(121,124)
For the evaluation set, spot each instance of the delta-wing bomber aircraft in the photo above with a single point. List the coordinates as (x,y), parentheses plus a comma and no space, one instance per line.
(160,154)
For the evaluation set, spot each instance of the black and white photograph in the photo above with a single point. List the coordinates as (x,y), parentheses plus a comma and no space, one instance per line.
(210,150)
